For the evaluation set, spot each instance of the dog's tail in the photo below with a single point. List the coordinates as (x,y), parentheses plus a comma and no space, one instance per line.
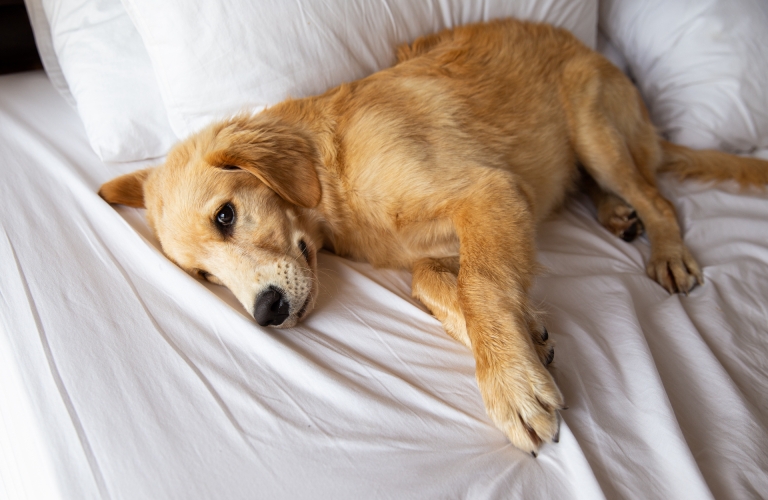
(711,165)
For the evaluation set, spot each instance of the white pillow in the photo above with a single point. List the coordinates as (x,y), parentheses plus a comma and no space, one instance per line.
(44,43)
(107,71)
(611,52)
(216,58)
(701,65)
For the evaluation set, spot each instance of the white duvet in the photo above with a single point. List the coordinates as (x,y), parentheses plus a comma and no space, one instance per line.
(123,377)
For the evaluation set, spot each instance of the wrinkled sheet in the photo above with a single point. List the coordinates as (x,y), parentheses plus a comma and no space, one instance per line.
(123,377)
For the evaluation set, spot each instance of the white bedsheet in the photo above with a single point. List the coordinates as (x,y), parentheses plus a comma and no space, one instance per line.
(123,377)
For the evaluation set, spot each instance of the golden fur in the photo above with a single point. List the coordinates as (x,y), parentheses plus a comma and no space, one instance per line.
(443,165)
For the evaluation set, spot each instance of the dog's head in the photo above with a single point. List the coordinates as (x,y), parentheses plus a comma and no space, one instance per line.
(230,205)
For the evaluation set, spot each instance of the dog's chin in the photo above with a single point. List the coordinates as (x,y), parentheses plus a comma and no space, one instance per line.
(300,314)
(304,308)
(309,302)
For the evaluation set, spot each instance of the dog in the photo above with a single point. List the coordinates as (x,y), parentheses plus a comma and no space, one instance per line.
(443,164)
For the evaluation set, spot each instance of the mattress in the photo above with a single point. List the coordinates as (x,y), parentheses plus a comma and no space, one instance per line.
(123,377)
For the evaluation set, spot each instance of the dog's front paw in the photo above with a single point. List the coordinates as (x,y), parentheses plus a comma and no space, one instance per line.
(522,400)
(675,269)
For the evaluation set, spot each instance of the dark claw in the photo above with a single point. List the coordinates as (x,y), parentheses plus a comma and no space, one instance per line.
(545,335)
(631,233)
(550,356)
(556,439)
(535,438)
(533,454)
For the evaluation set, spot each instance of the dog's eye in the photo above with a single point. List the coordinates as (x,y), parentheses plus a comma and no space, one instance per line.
(226,217)
(304,250)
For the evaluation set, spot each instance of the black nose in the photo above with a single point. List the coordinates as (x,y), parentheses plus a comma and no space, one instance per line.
(271,308)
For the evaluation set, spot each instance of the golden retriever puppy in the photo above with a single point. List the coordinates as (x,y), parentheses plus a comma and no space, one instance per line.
(443,165)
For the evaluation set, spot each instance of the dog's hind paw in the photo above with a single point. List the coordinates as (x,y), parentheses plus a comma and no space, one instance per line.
(620,219)
(677,271)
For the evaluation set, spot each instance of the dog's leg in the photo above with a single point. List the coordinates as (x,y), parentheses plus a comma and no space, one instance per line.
(495,226)
(435,285)
(604,153)
(612,212)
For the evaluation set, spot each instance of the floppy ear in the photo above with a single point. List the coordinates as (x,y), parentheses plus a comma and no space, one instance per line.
(127,189)
(281,157)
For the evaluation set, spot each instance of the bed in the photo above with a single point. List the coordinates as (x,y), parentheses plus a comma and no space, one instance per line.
(123,377)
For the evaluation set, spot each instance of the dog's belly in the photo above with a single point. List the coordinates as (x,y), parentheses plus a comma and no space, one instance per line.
(430,238)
